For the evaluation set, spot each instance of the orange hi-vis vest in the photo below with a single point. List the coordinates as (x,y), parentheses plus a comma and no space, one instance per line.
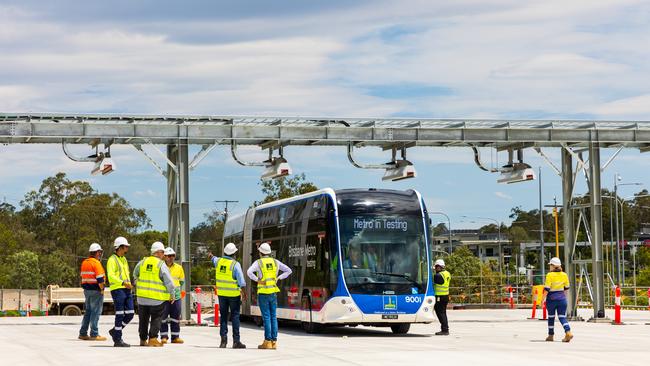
(92,274)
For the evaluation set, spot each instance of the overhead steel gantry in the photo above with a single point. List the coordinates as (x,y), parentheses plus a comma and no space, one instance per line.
(176,132)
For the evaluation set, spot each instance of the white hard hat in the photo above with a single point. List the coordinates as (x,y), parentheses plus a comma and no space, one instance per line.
(119,241)
(265,248)
(169,251)
(157,247)
(94,247)
(555,261)
(440,262)
(231,248)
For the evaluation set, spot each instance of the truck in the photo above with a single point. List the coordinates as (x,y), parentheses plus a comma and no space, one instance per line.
(70,301)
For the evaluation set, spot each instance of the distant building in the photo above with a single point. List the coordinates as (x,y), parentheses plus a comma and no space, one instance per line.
(483,245)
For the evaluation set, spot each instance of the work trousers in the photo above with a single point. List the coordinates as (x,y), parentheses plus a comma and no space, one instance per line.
(171,318)
(149,314)
(268,304)
(93,308)
(229,306)
(441,311)
(559,307)
(124,311)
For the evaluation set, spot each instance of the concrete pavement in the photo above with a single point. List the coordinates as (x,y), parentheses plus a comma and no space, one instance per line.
(479,337)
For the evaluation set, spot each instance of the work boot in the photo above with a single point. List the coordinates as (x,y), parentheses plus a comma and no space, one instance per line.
(144,344)
(111,332)
(266,345)
(274,344)
(567,337)
(549,338)
(224,342)
(238,345)
(443,332)
(164,340)
(178,341)
(154,342)
(120,343)
(84,337)
(97,338)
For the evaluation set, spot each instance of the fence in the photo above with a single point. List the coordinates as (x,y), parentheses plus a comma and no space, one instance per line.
(20,299)
(493,291)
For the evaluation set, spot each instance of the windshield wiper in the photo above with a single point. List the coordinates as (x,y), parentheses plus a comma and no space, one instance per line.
(402,275)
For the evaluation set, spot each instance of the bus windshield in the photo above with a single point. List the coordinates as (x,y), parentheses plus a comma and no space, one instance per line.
(384,254)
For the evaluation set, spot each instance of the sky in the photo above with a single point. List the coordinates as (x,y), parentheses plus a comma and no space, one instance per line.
(506,59)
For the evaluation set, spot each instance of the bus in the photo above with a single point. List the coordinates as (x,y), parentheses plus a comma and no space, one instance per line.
(359,257)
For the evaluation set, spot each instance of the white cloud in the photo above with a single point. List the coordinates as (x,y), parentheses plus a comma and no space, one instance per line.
(633,107)
(146,193)
(503,196)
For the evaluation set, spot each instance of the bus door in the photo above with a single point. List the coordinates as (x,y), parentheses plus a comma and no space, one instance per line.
(247,257)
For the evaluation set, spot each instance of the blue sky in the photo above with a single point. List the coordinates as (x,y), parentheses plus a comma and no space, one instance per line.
(467,58)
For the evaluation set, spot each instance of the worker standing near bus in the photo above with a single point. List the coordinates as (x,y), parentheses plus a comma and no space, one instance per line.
(171,316)
(555,287)
(441,281)
(265,271)
(230,290)
(153,287)
(119,280)
(92,282)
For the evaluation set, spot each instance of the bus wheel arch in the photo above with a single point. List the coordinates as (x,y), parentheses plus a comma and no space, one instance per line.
(401,328)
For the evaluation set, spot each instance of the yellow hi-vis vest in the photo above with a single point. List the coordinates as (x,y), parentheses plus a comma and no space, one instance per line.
(267,285)
(149,284)
(224,271)
(117,272)
(442,290)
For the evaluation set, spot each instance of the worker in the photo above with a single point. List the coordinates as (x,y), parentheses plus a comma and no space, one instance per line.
(92,282)
(230,290)
(555,287)
(441,281)
(153,287)
(171,316)
(265,271)
(120,285)
(356,259)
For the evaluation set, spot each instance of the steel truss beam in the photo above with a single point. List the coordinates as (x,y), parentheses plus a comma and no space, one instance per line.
(134,129)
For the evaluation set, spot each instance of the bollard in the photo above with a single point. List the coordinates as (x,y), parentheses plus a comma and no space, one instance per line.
(47,309)
(512,299)
(29,310)
(198,305)
(216,314)
(544,315)
(617,307)
(534,314)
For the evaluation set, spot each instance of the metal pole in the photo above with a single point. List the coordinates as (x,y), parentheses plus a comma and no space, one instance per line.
(634,271)
(618,252)
(612,203)
(597,231)
(541,229)
(172,200)
(569,230)
(184,198)
(622,244)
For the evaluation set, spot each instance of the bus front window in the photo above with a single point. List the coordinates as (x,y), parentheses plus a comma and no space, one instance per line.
(384,254)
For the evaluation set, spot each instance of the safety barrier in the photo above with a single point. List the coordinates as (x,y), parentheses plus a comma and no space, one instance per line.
(617,307)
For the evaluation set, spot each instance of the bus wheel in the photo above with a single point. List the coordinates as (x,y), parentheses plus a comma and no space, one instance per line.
(258,321)
(72,310)
(311,327)
(400,328)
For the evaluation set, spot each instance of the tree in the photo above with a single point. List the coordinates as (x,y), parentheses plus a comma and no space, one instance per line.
(56,270)
(23,270)
(276,189)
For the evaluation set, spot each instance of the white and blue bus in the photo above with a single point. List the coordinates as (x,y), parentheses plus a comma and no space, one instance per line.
(359,256)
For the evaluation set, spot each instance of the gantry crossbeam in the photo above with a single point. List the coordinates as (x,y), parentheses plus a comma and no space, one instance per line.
(138,129)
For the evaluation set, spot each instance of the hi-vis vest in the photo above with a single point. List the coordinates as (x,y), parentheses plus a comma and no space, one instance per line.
(91,271)
(267,285)
(149,284)
(118,272)
(442,290)
(224,271)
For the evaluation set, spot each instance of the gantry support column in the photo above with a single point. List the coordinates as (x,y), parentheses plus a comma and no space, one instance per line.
(569,230)
(597,230)
(172,199)
(184,223)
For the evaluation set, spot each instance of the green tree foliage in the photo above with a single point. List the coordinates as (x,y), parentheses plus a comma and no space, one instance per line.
(23,270)
(470,276)
(56,270)
(276,189)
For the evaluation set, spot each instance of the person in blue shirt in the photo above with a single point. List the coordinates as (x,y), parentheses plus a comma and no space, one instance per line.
(230,290)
